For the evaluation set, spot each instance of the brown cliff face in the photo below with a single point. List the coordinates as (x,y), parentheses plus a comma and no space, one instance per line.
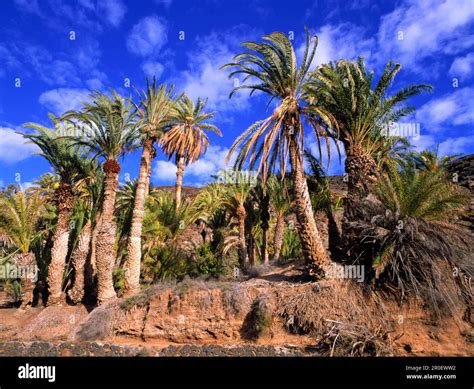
(271,309)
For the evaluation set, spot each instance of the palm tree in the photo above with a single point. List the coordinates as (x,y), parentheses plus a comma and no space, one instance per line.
(322,201)
(392,152)
(360,116)
(406,237)
(209,209)
(21,213)
(234,200)
(155,111)
(86,219)
(272,65)
(280,203)
(186,140)
(261,197)
(164,222)
(68,163)
(112,132)
(430,160)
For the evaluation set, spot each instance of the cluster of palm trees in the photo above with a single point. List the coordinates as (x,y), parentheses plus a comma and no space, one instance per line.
(84,149)
(338,102)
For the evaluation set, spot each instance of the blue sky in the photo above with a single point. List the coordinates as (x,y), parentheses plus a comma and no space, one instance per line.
(52,52)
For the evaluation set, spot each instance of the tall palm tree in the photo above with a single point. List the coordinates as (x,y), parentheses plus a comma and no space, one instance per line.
(235,199)
(361,112)
(69,163)
(155,111)
(273,68)
(112,131)
(280,203)
(86,217)
(187,140)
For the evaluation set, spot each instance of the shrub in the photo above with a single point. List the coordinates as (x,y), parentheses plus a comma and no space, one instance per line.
(291,248)
(408,243)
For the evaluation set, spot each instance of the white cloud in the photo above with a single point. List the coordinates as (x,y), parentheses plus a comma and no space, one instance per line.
(339,41)
(13,147)
(458,145)
(429,27)
(95,83)
(53,67)
(446,147)
(164,171)
(205,79)
(424,142)
(148,36)
(49,69)
(151,69)
(455,108)
(113,11)
(87,56)
(463,66)
(63,99)
(198,172)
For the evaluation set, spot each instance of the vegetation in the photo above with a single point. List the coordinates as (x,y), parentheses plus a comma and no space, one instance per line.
(69,162)
(361,114)
(411,217)
(269,142)
(155,111)
(94,237)
(186,140)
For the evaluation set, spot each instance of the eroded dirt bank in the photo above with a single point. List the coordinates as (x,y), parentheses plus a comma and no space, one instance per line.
(261,316)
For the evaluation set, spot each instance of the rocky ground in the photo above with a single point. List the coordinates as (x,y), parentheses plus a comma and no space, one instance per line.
(84,349)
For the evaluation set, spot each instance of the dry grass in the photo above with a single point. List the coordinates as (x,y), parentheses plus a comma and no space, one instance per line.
(258,322)
(344,318)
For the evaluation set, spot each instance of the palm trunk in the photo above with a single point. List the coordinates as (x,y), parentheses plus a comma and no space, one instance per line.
(134,250)
(278,237)
(28,262)
(264,252)
(105,245)
(79,259)
(249,216)
(334,235)
(241,213)
(362,172)
(251,251)
(312,246)
(90,272)
(179,179)
(148,173)
(265,226)
(64,200)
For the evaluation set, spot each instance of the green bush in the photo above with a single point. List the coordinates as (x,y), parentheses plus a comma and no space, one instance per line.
(207,262)
(291,248)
